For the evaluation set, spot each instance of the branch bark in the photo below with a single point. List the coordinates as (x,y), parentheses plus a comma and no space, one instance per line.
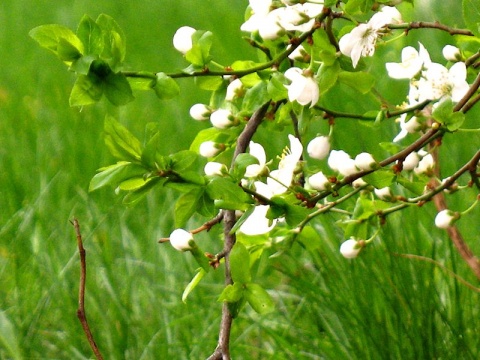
(81,292)
(222,352)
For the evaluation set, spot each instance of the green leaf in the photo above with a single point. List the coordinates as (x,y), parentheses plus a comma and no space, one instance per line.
(276,87)
(165,87)
(232,293)
(209,83)
(471,15)
(360,81)
(328,76)
(114,174)
(259,299)
(240,264)
(135,196)
(90,35)
(186,206)
(199,54)
(193,284)
(327,52)
(249,80)
(310,238)
(255,97)
(117,89)
(87,90)
(380,178)
(114,49)
(121,143)
(67,52)
(295,214)
(184,160)
(224,189)
(444,113)
(241,162)
(50,37)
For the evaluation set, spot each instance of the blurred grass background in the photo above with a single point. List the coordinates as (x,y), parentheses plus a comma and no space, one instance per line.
(376,307)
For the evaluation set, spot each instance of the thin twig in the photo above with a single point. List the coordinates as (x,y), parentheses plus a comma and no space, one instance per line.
(81,292)
(222,351)
(430,25)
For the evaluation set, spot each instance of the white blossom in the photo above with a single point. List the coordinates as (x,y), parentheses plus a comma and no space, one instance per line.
(411,161)
(437,82)
(319,147)
(180,239)
(200,112)
(451,53)
(258,152)
(222,118)
(410,66)
(182,40)
(209,149)
(213,168)
(407,127)
(303,88)
(425,165)
(260,9)
(318,181)
(365,161)
(362,39)
(384,194)
(234,90)
(341,162)
(257,223)
(445,218)
(350,248)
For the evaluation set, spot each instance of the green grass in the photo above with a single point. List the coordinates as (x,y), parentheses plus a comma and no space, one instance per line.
(380,306)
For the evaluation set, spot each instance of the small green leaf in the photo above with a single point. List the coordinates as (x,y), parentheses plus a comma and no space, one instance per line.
(135,196)
(327,52)
(165,87)
(328,76)
(50,36)
(255,97)
(360,81)
(117,89)
(193,284)
(471,15)
(209,83)
(259,299)
(240,264)
(90,35)
(249,80)
(295,214)
(224,189)
(121,143)
(232,293)
(114,49)
(199,54)
(184,160)
(444,113)
(114,174)
(309,238)
(87,90)
(276,87)
(67,52)
(186,206)
(380,178)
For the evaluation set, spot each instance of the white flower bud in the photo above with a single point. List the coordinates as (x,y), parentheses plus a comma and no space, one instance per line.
(358,183)
(411,161)
(350,248)
(200,112)
(384,193)
(451,53)
(336,158)
(209,149)
(182,40)
(213,168)
(446,218)
(319,147)
(425,165)
(180,239)
(318,181)
(365,161)
(234,90)
(221,118)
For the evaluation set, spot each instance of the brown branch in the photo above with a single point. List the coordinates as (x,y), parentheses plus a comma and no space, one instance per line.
(81,292)
(430,25)
(453,231)
(222,351)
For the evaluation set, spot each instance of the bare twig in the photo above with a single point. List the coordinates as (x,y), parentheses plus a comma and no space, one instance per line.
(453,231)
(430,25)
(222,352)
(81,292)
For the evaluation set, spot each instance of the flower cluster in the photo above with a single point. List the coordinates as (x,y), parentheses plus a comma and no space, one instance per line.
(428,81)
(271,23)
